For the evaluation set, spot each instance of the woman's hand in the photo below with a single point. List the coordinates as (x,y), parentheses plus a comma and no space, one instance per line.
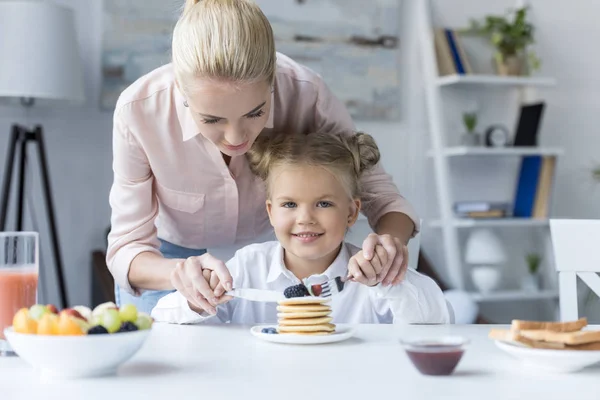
(396,262)
(202,280)
(366,271)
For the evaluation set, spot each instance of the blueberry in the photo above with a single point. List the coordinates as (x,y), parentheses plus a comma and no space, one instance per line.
(269,330)
(128,327)
(95,330)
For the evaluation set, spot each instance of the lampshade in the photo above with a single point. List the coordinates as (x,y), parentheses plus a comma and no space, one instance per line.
(39,57)
(484,247)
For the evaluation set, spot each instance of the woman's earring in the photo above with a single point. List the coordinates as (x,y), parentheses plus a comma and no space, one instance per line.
(185,103)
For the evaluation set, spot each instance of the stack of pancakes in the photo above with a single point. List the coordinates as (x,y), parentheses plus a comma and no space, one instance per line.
(304,316)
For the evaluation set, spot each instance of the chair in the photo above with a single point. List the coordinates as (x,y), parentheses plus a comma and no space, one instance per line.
(576,246)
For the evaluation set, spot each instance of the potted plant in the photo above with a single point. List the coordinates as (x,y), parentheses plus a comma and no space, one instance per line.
(470,137)
(510,37)
(531,282)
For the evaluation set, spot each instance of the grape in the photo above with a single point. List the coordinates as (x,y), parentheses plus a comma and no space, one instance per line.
(144,321)
(128,313)
(111,320)
(37,311)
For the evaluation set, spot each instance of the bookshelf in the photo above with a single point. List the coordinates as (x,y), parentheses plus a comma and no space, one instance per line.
(486,151)
(437,81)
(493,80)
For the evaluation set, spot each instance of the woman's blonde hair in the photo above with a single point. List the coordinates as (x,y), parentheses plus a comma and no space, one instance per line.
(228,40)
(346,156)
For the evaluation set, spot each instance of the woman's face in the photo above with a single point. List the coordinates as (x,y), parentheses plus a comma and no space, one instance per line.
(231,116)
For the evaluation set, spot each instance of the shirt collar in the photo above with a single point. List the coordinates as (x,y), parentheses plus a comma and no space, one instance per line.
(338,267)
(189,129)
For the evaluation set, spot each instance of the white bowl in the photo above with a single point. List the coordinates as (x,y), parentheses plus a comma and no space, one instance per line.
(70,357)
(552,360)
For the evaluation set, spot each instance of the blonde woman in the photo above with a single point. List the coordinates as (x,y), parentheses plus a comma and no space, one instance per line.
(181,181)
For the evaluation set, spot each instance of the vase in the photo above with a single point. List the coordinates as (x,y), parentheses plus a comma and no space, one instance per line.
(531,283)
(485,278)
(510,65)
(471,139)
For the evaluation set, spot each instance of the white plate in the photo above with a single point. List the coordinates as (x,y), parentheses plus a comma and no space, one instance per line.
(552,360)
(341,333)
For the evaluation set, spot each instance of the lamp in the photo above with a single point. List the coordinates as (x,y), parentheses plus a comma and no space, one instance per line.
(485,250)
(40,60)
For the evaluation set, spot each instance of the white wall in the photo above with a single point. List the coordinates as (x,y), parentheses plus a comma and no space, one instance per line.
(79,140)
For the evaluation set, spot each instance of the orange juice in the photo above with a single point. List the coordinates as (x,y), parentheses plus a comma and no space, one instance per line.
(18,289)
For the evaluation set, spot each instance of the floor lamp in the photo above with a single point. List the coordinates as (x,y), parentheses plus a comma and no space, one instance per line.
(39,61)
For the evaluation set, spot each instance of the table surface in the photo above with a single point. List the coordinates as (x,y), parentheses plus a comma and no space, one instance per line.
(227,362)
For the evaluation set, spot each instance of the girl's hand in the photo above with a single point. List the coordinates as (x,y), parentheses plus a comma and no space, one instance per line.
(188,277)
(396,264)
(366,271)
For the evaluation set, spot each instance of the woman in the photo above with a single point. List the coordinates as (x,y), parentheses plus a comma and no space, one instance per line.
(180,174)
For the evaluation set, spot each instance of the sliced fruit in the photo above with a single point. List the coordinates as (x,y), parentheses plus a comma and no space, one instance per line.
(99,309)
(85,312)
(128,313)
(23,323)
(71,326)
(48,324)
(52,308)
(36,311)
(111,320)
(73,313)
(143,321)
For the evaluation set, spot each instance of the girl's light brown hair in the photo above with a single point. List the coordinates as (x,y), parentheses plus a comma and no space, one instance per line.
(346,156)
(224,40)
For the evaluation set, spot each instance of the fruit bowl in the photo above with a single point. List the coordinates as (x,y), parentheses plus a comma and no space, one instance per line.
(71,357)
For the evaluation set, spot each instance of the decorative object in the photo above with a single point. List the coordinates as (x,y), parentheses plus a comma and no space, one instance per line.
(496,136)
(510,37)
(485,252)
(40,60)
(470,137)
(531,281)
(530,117)
(355,48)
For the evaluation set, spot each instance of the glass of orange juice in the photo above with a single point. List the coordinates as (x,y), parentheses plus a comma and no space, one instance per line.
(19,260)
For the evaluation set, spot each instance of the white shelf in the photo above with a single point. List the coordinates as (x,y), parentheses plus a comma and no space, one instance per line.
(494,80)
(505,151)
(513,295)
(491,222)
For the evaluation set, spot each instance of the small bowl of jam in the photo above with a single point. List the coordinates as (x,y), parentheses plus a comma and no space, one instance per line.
(437,356)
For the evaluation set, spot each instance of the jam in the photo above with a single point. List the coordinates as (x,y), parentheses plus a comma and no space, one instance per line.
(435,357)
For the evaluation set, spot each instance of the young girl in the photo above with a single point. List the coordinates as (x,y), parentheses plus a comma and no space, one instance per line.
(313,198)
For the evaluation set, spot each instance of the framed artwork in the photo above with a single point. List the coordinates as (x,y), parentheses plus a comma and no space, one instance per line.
(352,44)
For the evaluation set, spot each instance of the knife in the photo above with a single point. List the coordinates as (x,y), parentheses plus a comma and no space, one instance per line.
(256,294)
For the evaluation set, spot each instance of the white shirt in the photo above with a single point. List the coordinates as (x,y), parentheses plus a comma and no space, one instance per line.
(417,299)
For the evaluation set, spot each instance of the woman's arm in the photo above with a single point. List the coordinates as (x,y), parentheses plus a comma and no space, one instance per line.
(132,256)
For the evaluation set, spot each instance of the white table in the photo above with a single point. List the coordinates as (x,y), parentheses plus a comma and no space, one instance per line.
(227,362)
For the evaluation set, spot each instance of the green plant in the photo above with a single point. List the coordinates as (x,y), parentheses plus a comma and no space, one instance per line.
(470,121)
(533,262)
(509,36)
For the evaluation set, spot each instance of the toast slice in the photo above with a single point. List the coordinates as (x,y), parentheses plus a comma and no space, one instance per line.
(571,326)
(570,338)
(515,337)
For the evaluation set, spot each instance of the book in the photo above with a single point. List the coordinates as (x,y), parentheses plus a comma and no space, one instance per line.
(527,185)
(542,198)
(484,214)
(462,55)
(479,206)
(458,64)
(445,62)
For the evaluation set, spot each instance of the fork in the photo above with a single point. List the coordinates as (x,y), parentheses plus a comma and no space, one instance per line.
(328,288)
